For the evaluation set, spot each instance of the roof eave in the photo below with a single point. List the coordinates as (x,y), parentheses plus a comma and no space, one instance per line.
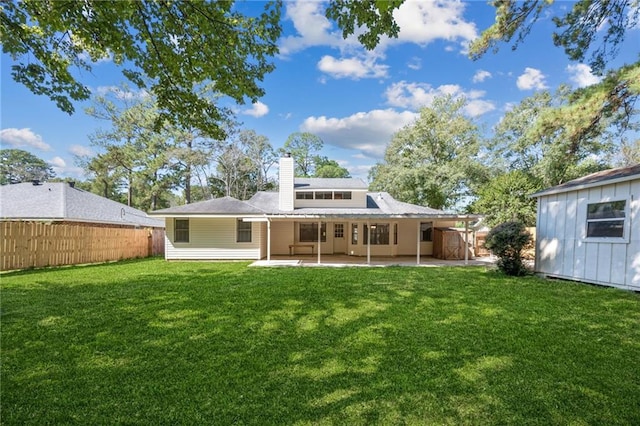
(206,215)
(555,190)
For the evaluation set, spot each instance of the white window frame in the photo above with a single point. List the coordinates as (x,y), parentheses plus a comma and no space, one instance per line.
(175,230)
(625,221)
(244,228)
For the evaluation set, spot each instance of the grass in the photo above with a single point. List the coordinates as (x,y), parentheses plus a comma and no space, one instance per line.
(152,342)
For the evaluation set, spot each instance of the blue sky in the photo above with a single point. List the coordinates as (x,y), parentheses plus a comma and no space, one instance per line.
(352,98)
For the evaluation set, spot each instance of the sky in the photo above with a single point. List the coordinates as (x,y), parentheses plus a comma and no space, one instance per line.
(354,99)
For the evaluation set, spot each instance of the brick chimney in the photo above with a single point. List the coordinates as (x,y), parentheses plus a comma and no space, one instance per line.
(286,179)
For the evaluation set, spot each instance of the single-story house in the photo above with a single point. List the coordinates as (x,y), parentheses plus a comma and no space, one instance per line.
(588,229)
(54,223)
(316,216)
(62,201)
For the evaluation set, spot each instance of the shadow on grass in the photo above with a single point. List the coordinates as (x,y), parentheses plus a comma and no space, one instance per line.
(162,343)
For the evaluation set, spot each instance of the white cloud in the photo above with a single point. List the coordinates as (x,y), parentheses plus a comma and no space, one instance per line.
(477,107)
(367,132)
(57,162)
(422,22)
(258,109)
(352,67)
(312,26)
(418,95)
(23,138)
(481,75)
(415,63)
(581,76)
(81,151)
(531,79)
(61,169)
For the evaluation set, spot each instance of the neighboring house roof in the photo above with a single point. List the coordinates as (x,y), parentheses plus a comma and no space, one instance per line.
(330,183)
(603,177)
(59,201)
(379,205)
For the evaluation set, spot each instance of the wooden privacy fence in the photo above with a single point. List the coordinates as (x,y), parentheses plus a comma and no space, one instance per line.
(39,244)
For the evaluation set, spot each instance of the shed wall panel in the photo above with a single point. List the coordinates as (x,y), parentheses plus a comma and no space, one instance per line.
(563,250)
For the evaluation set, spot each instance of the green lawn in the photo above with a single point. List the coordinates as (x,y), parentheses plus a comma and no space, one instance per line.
(152,342)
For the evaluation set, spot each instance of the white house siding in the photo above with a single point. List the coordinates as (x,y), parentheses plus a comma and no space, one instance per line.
(212,238)
(563,250)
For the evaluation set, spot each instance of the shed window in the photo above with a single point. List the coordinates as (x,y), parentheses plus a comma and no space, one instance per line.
(379,234)
(304,195)
(606,220)
(243,231)
(181,231)
(309,232)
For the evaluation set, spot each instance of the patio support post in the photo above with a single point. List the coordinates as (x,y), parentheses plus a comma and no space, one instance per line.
(319,239)
(268,240)
(466,242)
(418,244)
(368,243)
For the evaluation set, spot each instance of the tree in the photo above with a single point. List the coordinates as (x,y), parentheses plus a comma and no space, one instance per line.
(262,156)
(105,178)
(134,151)
(18,166)
(581,26)
(507,241)
(630,153)
(304,148)
(590,27)
(325,168)
(431,162)
(578,30)
(506,198)
(535,138)
(169,48)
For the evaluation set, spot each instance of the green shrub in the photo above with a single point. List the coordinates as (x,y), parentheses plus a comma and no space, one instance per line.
(507,241)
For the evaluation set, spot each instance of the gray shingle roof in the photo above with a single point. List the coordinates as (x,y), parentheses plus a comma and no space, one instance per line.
(59,201)
(330,183)
(379,204)
(593,179)
(216,206)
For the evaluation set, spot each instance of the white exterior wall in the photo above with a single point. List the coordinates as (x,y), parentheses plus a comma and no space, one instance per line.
(281,237)
(563,251)
(212,238)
